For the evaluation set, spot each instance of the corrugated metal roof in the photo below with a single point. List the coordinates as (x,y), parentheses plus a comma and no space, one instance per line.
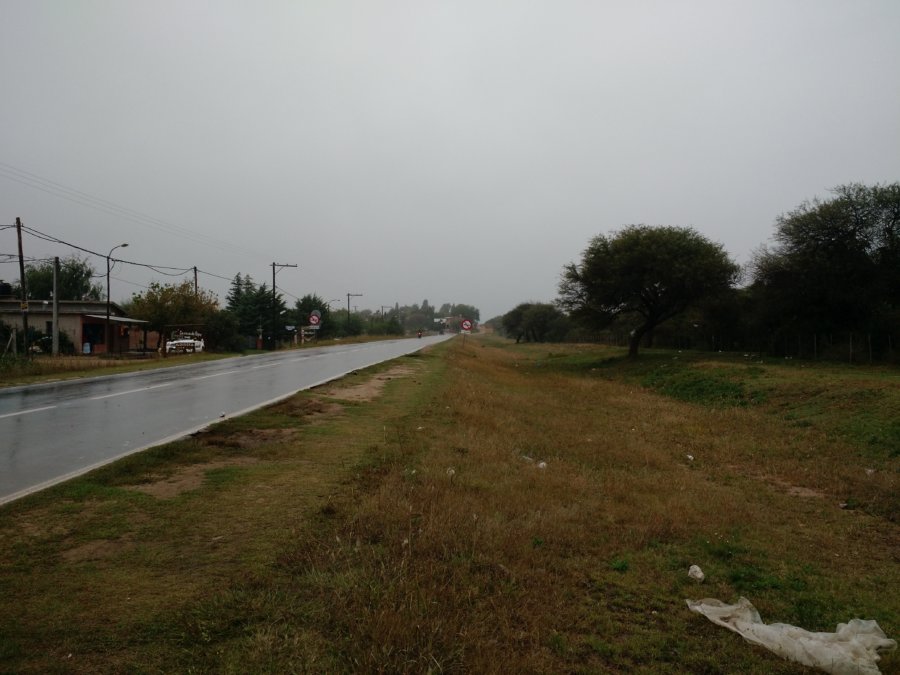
(11,306)
(115,319)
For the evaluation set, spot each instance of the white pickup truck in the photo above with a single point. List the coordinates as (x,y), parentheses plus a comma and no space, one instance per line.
(185,342)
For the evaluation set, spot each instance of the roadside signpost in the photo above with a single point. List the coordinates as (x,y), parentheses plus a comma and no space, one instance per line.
(466,325)
(315,323)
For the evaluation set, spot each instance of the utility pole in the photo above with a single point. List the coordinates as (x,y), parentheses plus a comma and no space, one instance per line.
(56,306)
(274,299)
(108,334)
(351,295)
(24,285)
(196,287)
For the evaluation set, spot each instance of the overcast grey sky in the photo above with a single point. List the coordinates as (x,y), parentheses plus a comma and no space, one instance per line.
(451,151)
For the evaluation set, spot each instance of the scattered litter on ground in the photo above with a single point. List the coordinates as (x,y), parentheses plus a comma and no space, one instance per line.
(696,573)
(542,465)
(690,458)
(853,649)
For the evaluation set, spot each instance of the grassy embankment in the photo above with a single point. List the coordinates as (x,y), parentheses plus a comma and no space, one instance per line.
(412,528)
(22,371)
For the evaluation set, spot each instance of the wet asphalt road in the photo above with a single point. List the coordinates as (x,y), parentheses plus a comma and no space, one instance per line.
(52,432)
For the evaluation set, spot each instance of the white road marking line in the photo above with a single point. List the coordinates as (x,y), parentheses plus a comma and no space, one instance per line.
(206,377)
(28,412)
(130,391)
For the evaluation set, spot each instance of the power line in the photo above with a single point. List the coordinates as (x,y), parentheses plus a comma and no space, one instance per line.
(36,182)
(132,283)
(9,257)
(159,269)
(217,276)
(55,240)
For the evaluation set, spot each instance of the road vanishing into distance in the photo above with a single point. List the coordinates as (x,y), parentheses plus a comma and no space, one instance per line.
(55,431)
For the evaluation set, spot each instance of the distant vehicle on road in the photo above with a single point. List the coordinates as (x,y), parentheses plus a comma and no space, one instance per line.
(182,342)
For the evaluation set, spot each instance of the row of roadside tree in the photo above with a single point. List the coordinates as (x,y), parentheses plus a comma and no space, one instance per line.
(252,314)
(828,287)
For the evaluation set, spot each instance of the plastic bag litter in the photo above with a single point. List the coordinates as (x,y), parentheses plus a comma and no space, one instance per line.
(852,650)
(695,573)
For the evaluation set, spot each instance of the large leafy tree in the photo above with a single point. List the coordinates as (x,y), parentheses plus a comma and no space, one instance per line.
(836,264)
(76,280)
(644,275)
(167,306)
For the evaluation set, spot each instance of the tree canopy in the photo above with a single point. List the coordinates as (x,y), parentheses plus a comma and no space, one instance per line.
(254,308)
(76,280)
(646,275)
(836,264)
(459,310)
(167,306)
(535,322)
(305,306)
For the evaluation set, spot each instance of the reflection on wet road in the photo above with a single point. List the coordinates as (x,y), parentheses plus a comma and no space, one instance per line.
(52,432)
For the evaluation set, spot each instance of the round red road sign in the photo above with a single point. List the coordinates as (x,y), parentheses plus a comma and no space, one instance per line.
(466,324)
(314,320)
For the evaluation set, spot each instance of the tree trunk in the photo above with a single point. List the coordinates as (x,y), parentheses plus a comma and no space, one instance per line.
(634,339)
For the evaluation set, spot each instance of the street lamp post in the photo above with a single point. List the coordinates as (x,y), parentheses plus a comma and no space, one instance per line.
(108,266)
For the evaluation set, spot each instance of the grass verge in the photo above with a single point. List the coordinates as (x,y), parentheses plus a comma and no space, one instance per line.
(486,507)
(38,369)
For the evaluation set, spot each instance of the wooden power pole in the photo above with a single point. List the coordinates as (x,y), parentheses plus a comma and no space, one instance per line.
(24,286)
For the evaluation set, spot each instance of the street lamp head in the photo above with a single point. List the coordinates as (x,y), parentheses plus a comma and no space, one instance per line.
(114,248)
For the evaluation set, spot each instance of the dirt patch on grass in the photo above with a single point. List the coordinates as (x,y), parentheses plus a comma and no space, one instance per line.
(96,550)
(370,390)
(249,438)
(798,491)
(188,478)
(307,408)
(783,485)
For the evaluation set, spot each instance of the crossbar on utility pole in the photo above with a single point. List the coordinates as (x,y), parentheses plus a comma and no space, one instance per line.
(351,295)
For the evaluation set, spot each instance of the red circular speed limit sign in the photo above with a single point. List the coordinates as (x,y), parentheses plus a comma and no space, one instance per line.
(466,324)
(314,320)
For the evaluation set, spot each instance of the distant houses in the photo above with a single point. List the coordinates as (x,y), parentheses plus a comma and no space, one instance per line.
(83,322)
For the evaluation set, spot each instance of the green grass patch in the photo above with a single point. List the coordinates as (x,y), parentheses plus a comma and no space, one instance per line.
(694,386)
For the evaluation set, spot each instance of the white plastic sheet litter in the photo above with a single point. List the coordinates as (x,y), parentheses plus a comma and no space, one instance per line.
(852,650)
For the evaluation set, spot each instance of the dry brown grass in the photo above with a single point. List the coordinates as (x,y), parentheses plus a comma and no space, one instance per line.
(464,553)
(482,513)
